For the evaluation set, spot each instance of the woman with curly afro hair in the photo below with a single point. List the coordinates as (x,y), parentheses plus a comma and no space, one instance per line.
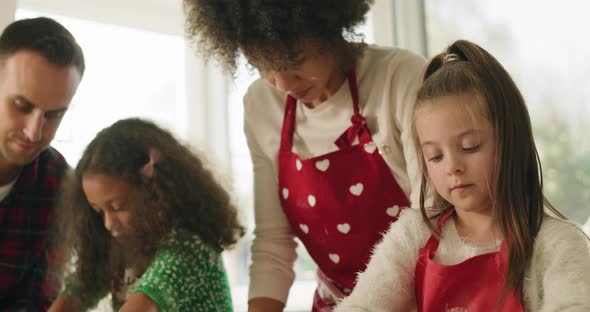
(146,222)
(328,127)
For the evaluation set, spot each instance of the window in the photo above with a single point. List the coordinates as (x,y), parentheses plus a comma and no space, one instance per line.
(129,73)
(544,47)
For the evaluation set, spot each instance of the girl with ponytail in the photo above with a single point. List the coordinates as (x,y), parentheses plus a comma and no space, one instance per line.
(490,241)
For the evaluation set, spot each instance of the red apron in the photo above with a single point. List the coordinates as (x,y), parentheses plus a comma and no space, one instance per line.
(338,204)
(475,284)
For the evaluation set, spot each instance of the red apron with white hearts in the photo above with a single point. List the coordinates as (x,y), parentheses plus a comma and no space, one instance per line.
(338,204)
(475,284)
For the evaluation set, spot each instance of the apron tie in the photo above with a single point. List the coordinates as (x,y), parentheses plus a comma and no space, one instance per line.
(357,130)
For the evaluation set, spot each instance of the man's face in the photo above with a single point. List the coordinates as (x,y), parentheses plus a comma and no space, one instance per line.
(34,95)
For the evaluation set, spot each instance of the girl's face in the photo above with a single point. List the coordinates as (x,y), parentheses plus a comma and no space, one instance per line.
(111,196)
(315,76)
(458,146)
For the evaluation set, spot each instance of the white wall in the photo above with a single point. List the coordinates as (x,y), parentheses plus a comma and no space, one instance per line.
(408,24)
(7,9)
(383,22)
(399,23)
(164,16)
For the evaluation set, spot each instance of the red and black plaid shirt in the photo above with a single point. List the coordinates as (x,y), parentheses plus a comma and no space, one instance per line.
(25,214)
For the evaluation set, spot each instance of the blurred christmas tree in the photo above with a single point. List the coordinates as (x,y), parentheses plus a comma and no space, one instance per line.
(565,158)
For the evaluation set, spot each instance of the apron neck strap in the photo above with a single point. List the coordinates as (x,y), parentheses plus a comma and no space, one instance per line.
(288,125)
(432,244)
(444,218)
(354,93)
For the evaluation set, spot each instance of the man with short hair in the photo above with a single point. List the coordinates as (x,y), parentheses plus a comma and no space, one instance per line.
(41,66)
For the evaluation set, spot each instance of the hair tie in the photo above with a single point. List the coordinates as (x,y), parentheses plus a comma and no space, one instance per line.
(450,57)
(148,169)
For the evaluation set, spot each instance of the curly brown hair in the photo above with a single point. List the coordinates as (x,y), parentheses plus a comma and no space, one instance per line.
(180,194)
(273,30)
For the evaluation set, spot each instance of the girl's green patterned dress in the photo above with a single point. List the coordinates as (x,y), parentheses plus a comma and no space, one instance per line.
(185,275)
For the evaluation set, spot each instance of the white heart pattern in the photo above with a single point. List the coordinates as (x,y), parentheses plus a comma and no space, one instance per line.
(298,164)
(343,228)
(370,147)
(356,189)
(285,193)
(311,200)
(323,165)
(393,211)
(334,257)
(304,228)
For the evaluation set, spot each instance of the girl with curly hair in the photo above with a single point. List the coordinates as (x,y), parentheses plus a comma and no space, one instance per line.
(327,125)
(142,219)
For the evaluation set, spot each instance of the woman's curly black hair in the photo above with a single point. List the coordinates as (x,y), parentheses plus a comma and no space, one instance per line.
(273,30)
(181,194)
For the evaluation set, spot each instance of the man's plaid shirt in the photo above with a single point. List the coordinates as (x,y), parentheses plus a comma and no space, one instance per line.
(25,214)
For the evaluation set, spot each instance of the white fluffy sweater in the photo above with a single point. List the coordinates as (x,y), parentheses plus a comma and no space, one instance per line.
(558,278)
